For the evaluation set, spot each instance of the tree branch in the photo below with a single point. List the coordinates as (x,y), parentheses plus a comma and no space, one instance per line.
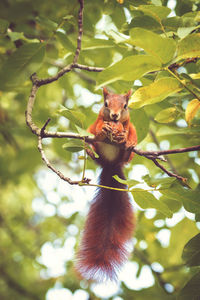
(60,174)
(156,154)
(168,172)
(43,133)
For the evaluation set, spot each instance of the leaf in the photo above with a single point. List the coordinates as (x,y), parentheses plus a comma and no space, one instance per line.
(76,117)
(83,132)
(174,205)
(129,182)
(158,12)
(189,198)
(147,200)
(163,182)
(21,64)
(92,44)
(191,110)
(191,251)
(116,36)
(189,46)
(65,41)
(46,23)
(145,21)
(191,290)
(74,145)
(166,115)
(128,69)
(3,25)
(172,23)
(16,36)
(152,43)
(184,31)
(141,123)
(155,92)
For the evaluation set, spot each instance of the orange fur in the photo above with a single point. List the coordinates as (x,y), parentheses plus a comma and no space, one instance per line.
(110,221)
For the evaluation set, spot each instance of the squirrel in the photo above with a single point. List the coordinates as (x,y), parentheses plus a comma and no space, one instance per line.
(110,222)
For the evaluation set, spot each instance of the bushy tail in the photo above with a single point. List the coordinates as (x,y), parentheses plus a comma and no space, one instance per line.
(108,228)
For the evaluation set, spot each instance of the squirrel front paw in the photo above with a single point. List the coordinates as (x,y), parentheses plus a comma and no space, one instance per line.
(120,137)
(107,128)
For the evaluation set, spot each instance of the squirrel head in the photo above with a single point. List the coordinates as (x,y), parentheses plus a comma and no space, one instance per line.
(116,106)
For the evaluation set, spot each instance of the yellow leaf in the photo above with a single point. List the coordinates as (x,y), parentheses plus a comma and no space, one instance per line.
(120,1)
(155,92)
(191,110)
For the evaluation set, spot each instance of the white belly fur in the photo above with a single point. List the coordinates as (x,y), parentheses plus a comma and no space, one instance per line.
(108,151)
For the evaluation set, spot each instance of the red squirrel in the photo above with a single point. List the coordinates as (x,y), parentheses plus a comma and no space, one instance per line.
(110,222)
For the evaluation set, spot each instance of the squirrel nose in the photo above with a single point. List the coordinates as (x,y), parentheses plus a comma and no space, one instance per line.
(114,116)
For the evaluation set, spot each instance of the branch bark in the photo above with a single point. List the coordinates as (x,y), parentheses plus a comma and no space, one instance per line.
(43,133)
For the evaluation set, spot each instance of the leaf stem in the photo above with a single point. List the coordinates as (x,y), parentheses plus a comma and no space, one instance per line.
(183,83)
(85,160)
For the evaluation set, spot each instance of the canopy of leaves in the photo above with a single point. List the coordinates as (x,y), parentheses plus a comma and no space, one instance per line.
(140,44)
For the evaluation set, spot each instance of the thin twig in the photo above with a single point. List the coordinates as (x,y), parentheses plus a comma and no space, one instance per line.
(168,172)
(167,159)
(88,68)
(44,127)
(156,154)
(183,83)
(43,133)
(60,174)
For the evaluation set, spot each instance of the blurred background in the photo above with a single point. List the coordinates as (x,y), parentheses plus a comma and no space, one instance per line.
(41,216)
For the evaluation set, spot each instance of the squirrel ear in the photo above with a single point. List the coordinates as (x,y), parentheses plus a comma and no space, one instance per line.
(105,92)
(128,95)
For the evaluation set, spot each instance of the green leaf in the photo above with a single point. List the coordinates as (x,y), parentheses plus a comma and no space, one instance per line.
(21,64)
(174,205)
(3,25)
(163,182)
(83,132)
(161,47)
(144,21)
(172,23)
(46,23)
(189,46)
(92,44)
(73,145)
(166,115)
(65,41)
(191,290)
(141,123)
(16,36)
(129,182)
(191,251)
(184,31)
(189,198)
(147,200)
(158,12)
(76,117)
(128,69)
(155,92)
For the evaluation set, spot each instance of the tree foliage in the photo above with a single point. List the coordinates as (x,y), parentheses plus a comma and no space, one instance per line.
(143,45)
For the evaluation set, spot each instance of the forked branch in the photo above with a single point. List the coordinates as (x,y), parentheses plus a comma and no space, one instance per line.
(43,133)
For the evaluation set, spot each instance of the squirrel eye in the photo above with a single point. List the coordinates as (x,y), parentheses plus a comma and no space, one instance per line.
(125,106)
(106,104)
